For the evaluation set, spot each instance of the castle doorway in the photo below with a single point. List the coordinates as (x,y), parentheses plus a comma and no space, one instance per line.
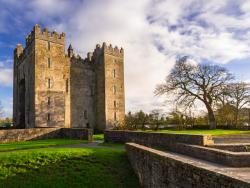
(21,124)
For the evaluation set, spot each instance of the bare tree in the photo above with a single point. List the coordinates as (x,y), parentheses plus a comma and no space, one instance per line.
(190,82)
(240,96)
(156,118)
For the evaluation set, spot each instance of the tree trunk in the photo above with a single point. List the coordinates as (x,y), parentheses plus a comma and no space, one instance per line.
(211,117)
(236,117)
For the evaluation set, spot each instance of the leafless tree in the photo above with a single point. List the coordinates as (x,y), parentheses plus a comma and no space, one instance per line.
(189,82)
(240,97)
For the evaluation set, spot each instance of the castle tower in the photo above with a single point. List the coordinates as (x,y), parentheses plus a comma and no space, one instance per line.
(54,89)
(110,102)
(39,80)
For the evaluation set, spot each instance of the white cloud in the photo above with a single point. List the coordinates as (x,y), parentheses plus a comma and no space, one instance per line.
(6,77)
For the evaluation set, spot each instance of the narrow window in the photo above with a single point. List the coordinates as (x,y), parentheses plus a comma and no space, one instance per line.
(49,84)
(115,116)
(48,118)
(114,103)
(67,85)
(49,63)
(48,101)
(85,114)
(114,89)
(114,73)
(48,45)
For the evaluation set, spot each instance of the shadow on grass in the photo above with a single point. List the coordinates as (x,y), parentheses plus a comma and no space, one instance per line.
(66,167)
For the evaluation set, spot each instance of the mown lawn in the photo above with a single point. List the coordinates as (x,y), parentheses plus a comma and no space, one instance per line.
(212,132)
(66,167)
(98,137)
(38,144)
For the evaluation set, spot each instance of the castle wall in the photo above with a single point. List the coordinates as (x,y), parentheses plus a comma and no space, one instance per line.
(50,82)
(23,94)
(114,86)
(82,90)
(100,89)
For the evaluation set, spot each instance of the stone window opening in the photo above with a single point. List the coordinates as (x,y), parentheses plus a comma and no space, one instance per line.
(114,73)
(67,85)
(115,118)
(114,89)
(48,45)
(49,63)
(85,114)
(48,117)
(115,104)
(49,83)
(49,101)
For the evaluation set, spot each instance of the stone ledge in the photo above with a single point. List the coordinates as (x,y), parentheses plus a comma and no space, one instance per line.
(156,139)
(16,135)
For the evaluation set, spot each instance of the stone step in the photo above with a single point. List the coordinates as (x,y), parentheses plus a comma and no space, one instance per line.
(232,139)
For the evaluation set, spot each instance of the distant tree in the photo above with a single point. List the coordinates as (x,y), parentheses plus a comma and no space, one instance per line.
(141,119)
(129,121)
(190,82)
(240,97)
(225,114)
(156,118)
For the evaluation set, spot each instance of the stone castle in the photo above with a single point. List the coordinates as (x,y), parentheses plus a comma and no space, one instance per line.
(54,89)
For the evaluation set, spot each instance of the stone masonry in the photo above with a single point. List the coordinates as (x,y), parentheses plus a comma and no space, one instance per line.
(54,89)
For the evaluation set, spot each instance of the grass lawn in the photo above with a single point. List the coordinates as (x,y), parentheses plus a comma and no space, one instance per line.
(98,137)
(38,144)
(212,132)
(66,167)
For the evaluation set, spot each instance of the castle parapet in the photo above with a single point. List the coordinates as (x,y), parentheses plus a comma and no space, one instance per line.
(45,34)
(109,49)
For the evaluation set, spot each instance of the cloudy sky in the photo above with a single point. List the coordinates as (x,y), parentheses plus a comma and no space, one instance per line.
(153,33)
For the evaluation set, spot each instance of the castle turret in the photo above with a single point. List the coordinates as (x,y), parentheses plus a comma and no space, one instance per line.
(70,51)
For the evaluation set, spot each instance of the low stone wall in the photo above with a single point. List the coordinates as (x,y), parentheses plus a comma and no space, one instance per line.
(16,135)
(156,139)
(233,147)
(224,157)
(238,138)
(160,169)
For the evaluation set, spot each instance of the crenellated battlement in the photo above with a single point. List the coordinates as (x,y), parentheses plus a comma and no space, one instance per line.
(109,49)
(45,34)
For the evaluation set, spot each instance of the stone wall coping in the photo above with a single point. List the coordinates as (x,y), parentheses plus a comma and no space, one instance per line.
(157,133)
(222,152)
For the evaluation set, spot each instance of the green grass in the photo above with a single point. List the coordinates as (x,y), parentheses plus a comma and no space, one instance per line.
(212,132)
(98,137)
(113,145)
(66,167)
(38,144)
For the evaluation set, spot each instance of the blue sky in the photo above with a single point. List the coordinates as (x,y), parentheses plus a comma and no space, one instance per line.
(152,32)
